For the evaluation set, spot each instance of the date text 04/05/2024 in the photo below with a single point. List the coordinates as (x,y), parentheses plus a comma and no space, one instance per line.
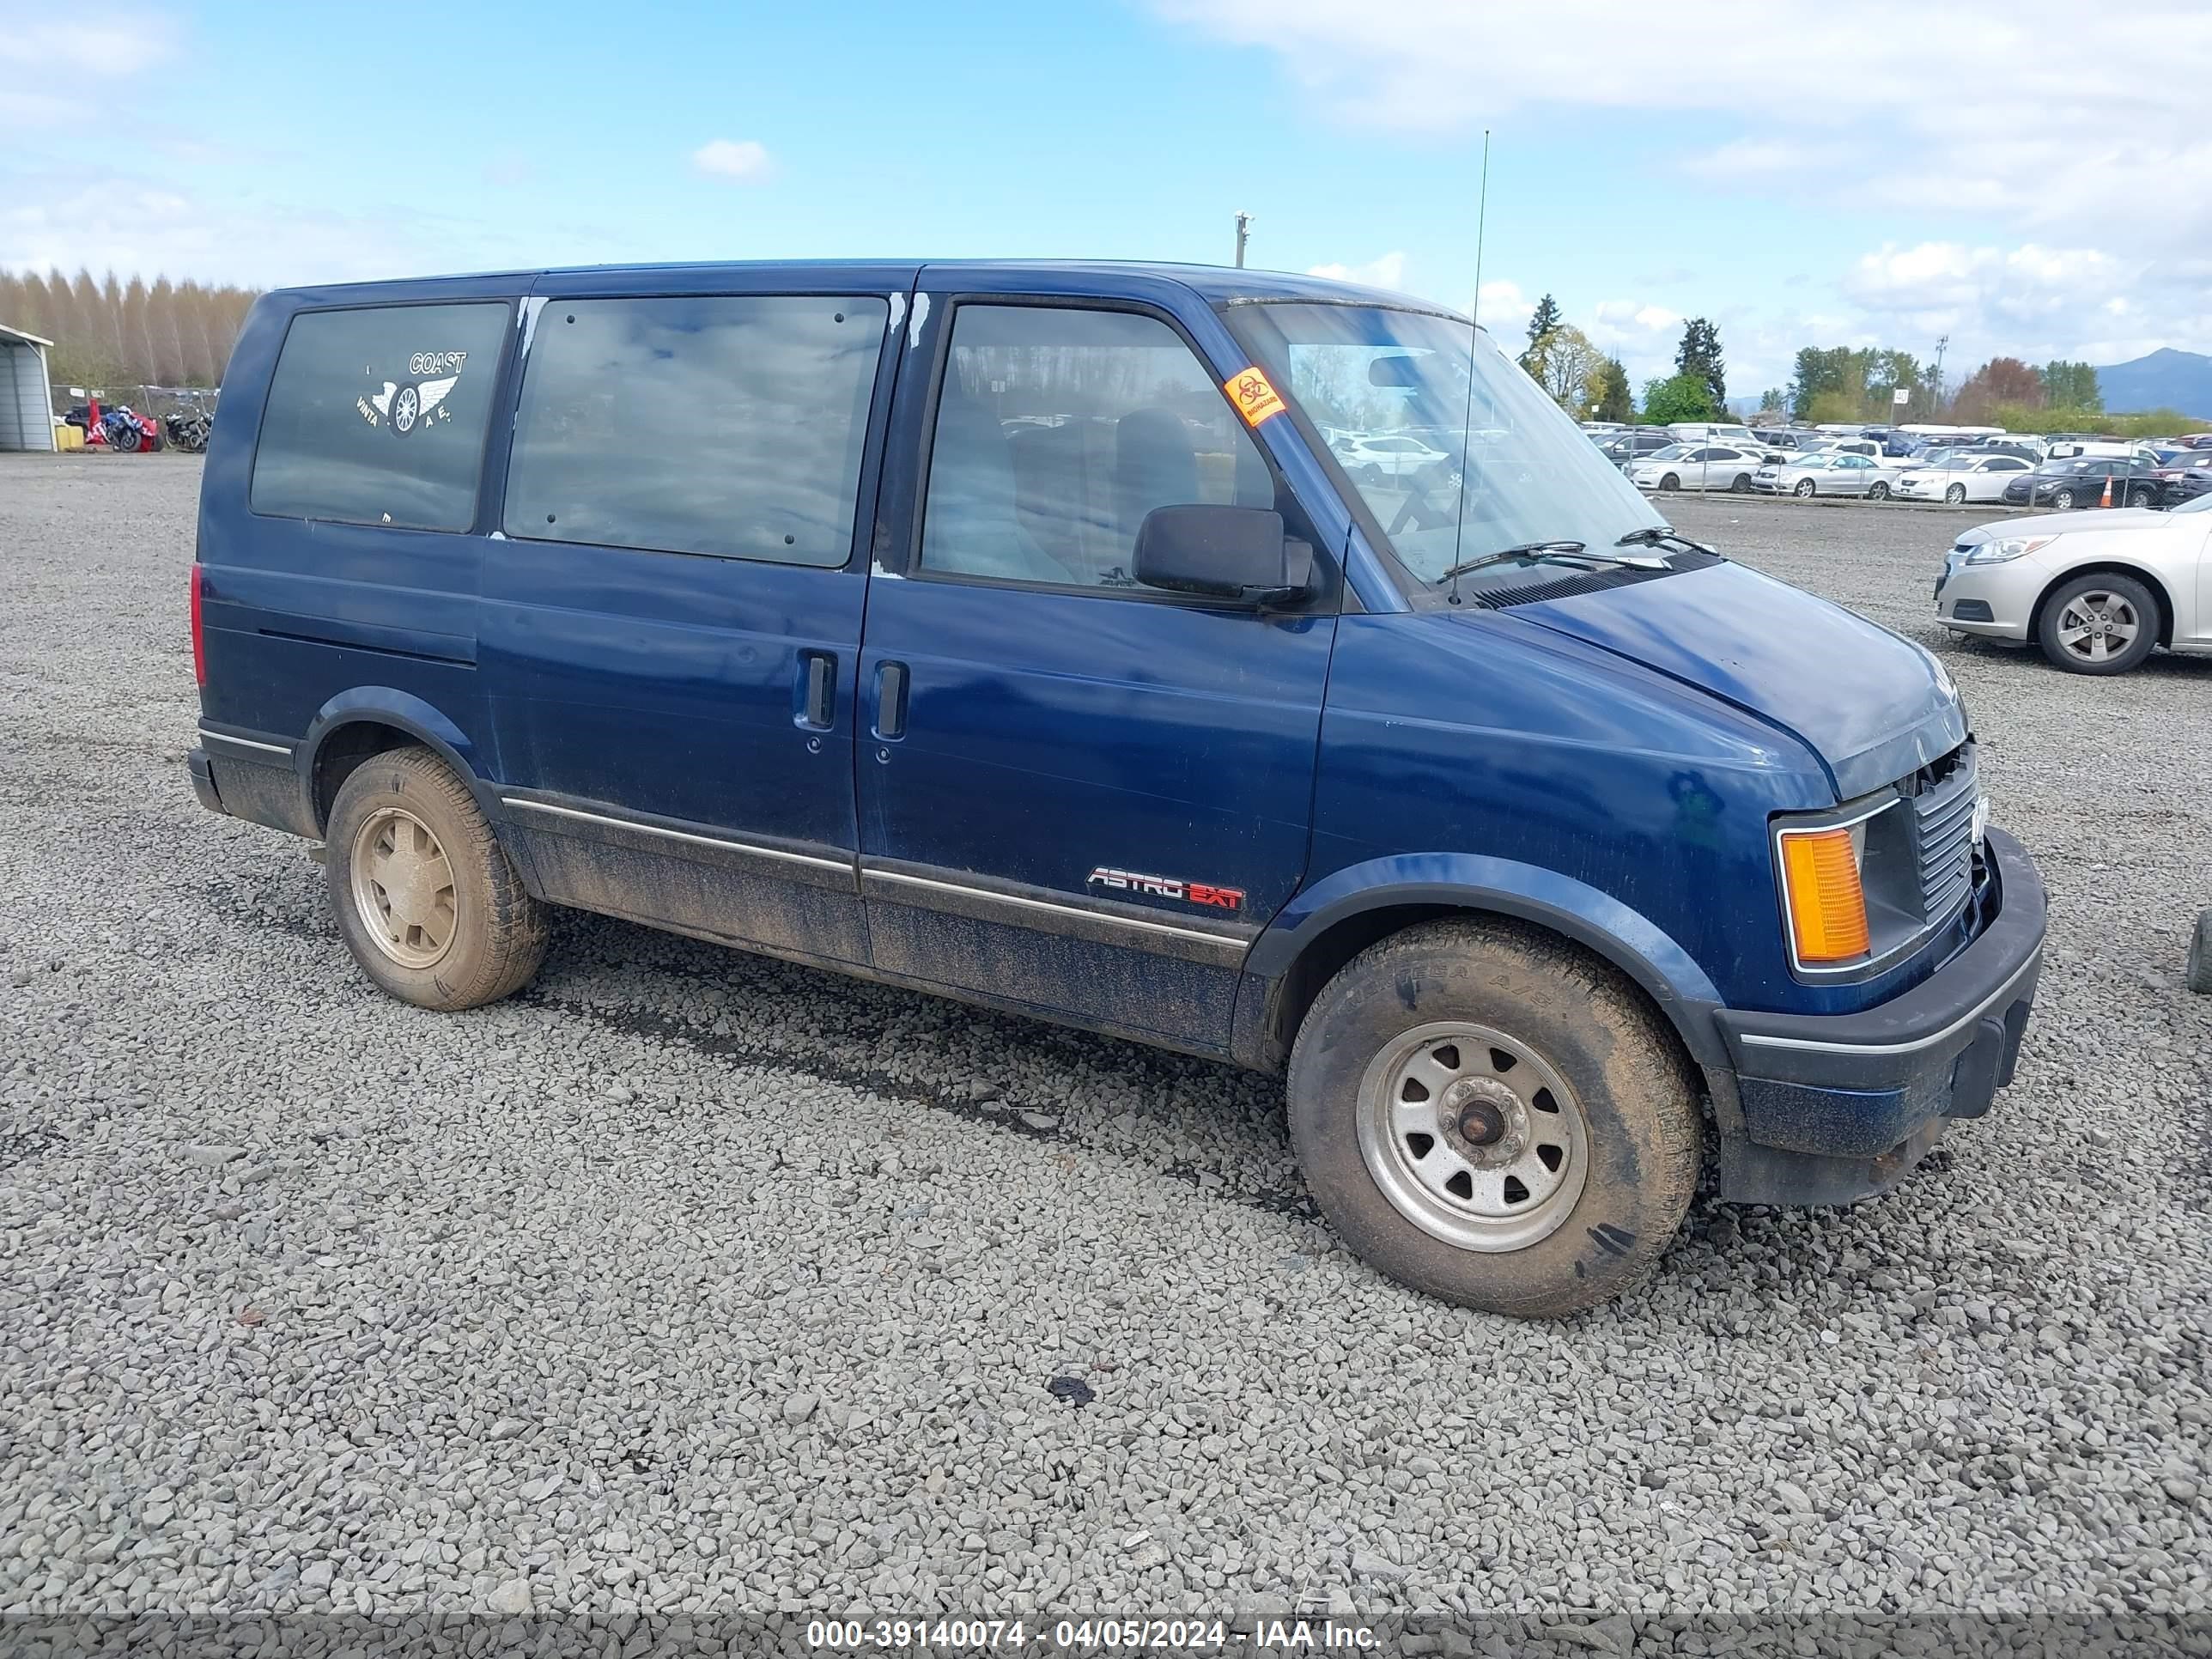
(1089,1634)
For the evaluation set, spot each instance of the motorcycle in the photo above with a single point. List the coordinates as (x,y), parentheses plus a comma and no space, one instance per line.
(125,429)
(188,431)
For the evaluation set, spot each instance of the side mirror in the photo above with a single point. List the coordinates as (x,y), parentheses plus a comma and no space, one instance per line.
(1224,552)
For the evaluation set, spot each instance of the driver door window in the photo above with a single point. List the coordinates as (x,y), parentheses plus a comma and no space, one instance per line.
(1058,430)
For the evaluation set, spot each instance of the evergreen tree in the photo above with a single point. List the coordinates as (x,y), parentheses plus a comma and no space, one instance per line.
(1610,388)
(1700,355)
(1544,321)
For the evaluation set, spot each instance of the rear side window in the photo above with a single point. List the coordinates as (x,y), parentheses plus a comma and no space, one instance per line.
(731,425)
(378,416)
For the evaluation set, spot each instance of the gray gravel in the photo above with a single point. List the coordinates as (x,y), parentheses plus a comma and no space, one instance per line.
(692,1281)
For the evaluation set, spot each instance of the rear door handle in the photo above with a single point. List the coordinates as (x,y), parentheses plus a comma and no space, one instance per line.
(818,673)
(891,700)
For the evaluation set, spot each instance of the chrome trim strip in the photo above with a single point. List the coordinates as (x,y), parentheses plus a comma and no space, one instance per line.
(1980,1011)
(1200,934)
(755,848)
(283,748)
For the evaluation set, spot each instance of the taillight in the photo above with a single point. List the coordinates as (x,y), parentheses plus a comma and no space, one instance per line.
(199,639)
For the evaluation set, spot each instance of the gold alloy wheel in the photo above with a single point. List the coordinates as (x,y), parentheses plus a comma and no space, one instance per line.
(402,888)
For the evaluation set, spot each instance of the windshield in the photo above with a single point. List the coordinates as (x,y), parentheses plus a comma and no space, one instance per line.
(1668,452)
(1529,473)
(2201,504)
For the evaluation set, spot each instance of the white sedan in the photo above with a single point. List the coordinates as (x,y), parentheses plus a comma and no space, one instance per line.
(1827,474)
(1373,457)
(1696,466)
(1959,478)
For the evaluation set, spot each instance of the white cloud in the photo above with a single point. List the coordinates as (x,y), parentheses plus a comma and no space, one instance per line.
(745,161)
(2047,153)
(69,48)
(1386,271)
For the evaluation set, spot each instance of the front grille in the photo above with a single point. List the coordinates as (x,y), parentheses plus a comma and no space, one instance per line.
(1942,796)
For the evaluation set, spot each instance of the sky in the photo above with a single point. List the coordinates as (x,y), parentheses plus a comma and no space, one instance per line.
(1877,174)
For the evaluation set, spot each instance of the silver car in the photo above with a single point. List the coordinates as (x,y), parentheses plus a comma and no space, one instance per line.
(1825,473)
(2098,591)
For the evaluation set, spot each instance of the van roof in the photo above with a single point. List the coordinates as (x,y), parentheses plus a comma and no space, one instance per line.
(1215,284)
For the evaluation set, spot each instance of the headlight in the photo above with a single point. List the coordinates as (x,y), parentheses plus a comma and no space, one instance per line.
(2008,548)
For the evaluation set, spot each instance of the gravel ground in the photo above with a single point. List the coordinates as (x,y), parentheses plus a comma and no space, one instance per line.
(688,1281)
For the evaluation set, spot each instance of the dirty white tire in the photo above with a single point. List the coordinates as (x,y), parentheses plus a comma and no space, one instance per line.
(1494,1118)
(425,896)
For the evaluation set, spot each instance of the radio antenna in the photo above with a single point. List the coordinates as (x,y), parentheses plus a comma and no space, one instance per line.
(1473,339)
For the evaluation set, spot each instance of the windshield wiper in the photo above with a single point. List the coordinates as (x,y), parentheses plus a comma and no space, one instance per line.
(1660,535)
(1525,550)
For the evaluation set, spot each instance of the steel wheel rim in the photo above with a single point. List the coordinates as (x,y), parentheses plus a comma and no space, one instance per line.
(1455,1118)
(402,888)
(2098,626)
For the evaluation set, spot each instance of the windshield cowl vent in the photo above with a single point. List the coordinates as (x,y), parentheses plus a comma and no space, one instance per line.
(1504,597)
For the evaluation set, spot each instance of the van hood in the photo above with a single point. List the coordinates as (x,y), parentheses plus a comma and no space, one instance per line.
(1872,706)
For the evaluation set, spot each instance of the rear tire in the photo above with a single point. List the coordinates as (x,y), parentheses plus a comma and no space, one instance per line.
(1877,492)
(1742,485)
(1446,1001)
(424,895)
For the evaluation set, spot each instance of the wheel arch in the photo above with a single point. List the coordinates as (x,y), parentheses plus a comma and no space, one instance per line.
(2159,591)
(368,720)
(1328,925)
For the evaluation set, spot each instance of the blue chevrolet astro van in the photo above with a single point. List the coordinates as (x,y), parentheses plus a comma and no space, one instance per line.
(1016,634)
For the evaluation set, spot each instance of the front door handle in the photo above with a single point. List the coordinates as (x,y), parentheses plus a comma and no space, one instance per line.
(891,700)
(818,671)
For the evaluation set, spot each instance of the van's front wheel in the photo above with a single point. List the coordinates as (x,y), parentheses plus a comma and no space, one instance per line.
(424,895)
(1494,1119)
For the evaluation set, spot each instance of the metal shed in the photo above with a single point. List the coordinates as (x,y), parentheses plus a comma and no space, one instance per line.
(26,410)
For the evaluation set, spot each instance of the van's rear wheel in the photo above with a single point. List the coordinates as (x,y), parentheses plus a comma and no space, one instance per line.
(1494,1119)
(424,895)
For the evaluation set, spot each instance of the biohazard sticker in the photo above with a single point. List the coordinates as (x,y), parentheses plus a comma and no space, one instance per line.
(1255,399)
(403,405)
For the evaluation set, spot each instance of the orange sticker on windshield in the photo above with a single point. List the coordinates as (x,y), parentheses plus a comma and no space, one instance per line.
(1255,399)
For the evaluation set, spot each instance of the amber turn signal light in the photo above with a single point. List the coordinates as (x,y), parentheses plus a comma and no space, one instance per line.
(1827,907)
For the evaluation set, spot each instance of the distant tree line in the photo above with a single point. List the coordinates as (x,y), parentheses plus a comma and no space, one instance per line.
(1831,384)
(114,334)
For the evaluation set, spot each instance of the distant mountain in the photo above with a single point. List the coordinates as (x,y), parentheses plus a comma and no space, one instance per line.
(2165,380)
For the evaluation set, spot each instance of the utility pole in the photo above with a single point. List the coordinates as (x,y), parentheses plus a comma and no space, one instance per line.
(1941,342)
(1243,234)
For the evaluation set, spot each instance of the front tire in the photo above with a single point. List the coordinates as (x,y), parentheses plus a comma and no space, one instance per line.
(425,896)
(1956,495)
(2142,497)
(2098,625)
(1493,1118)
(1670,483)
(1804,491)
(2064,500)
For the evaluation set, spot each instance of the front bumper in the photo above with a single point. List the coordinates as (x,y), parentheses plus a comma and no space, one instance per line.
(1992,601)
(1839,1107)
